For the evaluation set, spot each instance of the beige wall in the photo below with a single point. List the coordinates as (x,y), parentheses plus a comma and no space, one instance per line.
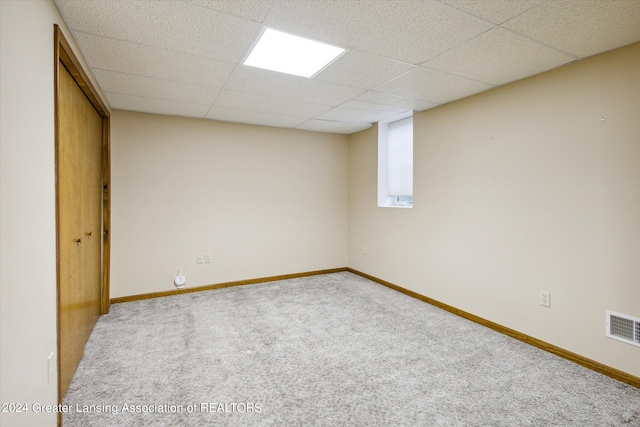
(27,209)
(263,201)
(519,189)
(531,186)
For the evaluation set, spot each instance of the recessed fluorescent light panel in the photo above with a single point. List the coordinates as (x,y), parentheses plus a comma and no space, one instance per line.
(286,53)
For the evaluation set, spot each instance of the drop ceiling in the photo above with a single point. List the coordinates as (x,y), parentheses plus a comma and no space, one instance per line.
(184,58)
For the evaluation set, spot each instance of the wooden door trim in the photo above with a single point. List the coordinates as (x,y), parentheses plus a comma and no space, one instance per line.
(106,214)
(63,54)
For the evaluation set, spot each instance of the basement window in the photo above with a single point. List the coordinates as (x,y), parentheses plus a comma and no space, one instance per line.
(395,162)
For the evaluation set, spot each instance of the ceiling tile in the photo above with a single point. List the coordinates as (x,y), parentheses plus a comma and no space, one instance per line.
(357,115)
(433,86)
(255,10)
(334,127)
(175,57)
(279,85)
(396,101)
(148,87)
(132,58)
(267,104)
(495,11)
(410,31)
(581,28)
(498,57)
(347,70)
(156,106)
(171,25)
(372,106)
(252,117)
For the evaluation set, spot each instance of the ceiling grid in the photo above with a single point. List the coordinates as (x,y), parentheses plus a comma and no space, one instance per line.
(184,58)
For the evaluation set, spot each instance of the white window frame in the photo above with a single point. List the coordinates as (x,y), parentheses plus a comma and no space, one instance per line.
(385,199)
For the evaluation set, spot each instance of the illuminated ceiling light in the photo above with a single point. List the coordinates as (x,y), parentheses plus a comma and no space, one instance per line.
(286,53)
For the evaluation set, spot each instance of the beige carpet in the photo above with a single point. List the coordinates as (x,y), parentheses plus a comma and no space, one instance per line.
(330,350)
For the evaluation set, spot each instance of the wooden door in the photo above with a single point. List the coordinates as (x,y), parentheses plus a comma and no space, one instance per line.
(79,175)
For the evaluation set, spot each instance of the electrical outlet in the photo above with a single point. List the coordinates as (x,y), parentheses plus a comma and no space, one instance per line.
(364,250)
(199,259)
(207,258)
(545,298)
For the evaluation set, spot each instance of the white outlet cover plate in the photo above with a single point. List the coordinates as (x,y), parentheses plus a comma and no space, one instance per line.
(545,298)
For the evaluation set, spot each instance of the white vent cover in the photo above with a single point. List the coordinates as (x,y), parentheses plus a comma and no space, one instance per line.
(623,328)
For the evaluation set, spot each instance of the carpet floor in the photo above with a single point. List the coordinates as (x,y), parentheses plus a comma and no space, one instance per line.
(329,350)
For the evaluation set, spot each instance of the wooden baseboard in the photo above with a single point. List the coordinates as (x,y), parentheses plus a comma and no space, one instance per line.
(565,354)
(223,285)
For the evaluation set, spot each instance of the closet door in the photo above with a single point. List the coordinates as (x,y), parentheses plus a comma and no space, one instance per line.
(79,174)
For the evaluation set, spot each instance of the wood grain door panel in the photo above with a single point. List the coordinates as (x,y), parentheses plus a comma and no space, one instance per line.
(79,222)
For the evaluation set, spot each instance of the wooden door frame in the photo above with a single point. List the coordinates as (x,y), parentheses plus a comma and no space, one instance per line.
(63,54)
